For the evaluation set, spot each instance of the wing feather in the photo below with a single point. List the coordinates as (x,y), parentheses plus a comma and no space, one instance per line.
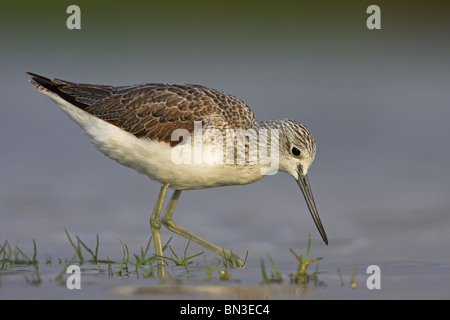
(155,110)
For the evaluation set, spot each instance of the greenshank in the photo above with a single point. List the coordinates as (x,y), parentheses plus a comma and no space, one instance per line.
(160,130)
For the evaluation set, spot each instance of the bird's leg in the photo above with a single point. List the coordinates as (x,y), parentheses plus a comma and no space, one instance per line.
(169,224)
(155,225)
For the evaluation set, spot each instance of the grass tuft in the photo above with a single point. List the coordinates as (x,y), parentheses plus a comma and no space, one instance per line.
(234,261)
(301,275)
(275,274)
(180,261)
(81,244)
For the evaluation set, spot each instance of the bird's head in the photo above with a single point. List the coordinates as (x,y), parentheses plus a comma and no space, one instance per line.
(297,150)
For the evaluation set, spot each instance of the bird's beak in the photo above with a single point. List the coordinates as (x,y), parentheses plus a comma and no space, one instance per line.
(303,182)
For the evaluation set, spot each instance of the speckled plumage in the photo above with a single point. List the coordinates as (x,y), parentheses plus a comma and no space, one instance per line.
(155,110)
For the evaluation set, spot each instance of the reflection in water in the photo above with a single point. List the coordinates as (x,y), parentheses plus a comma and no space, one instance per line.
(276,291)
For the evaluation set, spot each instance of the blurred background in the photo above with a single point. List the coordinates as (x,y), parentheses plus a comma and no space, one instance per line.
(376,101)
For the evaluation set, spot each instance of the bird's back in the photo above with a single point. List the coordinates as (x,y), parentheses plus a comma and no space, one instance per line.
(155,110)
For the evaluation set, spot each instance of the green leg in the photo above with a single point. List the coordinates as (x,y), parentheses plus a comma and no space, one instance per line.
(169,224)
(155,225)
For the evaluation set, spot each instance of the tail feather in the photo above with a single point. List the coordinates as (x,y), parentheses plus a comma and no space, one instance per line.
(45,84)
(78,94)
(41,82)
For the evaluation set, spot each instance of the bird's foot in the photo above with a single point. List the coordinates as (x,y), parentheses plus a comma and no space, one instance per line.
(231,260)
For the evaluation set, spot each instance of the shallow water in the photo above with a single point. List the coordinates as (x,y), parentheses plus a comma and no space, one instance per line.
(376,103)
(398,281)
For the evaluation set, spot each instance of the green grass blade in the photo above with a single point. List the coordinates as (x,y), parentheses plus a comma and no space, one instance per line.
(308,247)
(77,248)
(278,277)
(96,250)
(94,255)
(35,253)
(263,271)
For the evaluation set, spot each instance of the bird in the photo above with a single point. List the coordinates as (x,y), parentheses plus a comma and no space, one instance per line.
(149,128)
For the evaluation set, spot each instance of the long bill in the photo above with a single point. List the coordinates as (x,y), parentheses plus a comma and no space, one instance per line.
(303,182)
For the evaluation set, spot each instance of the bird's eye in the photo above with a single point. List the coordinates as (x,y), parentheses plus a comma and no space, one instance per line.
(295,151)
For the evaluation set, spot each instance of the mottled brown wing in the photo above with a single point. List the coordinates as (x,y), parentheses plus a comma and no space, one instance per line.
(156,110)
